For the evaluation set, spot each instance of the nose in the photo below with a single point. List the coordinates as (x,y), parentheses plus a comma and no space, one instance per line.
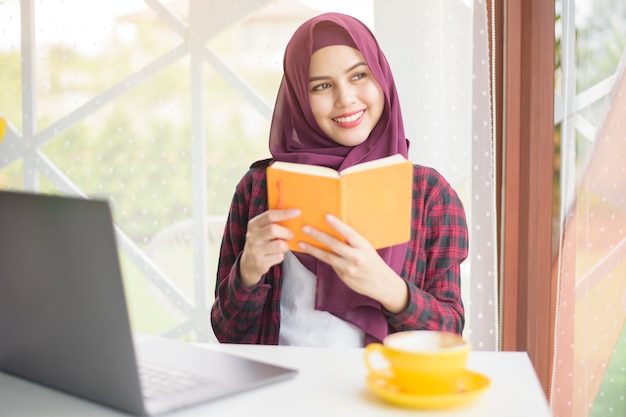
(344,95)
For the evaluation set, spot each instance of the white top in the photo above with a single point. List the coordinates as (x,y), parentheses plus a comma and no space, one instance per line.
(300,323)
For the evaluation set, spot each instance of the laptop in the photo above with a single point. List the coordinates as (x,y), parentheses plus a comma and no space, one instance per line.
(64,320)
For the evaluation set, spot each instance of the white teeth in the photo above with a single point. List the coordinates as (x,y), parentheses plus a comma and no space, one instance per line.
(349,118)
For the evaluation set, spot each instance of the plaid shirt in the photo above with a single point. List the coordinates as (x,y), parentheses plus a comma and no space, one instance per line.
(438,245)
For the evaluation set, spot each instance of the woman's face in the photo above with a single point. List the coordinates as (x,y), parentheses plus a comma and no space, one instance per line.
(346,100)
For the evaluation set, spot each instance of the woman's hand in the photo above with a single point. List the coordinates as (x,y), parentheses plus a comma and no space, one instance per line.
(265,244)
(358,265)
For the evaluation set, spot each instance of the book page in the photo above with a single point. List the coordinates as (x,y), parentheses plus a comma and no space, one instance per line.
(378,203)
(305,169)
(386,161)
(314,195)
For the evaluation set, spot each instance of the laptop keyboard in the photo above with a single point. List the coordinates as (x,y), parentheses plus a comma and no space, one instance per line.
(157,381)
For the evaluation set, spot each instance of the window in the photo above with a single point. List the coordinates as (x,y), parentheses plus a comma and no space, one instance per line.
(590,342)
(161,106)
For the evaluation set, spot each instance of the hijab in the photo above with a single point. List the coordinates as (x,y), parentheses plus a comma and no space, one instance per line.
(295,136)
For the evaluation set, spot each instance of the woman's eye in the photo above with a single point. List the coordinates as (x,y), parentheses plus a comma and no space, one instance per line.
(321,87)
(358,76)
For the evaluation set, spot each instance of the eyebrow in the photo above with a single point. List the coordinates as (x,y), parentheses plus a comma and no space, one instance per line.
(325,77)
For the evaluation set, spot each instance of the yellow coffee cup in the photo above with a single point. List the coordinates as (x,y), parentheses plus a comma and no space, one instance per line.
(423,362)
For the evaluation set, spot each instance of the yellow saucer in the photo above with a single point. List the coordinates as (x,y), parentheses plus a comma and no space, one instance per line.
(471,385)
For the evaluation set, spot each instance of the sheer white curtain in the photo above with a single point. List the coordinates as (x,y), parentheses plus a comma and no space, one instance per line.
(440,56)
(589,374)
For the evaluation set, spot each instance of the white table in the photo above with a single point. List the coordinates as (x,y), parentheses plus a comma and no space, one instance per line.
(331,382)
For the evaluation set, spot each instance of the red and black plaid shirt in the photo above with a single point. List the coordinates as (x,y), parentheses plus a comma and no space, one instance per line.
(439,243)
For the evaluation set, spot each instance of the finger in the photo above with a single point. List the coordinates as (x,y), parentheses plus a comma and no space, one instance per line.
(340,247)
(352,237)
(259,258)
(321,254)
(347,266)
(264,227)
(263,236)
(324,238)
(273,216)
(269,249)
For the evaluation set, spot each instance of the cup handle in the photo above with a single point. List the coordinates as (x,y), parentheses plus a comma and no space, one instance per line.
(377,349)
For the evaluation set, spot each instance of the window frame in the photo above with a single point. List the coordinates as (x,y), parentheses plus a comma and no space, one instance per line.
(524,113)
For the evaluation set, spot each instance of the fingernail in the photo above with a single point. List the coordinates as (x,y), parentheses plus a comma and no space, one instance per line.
(302,245)
(306,229)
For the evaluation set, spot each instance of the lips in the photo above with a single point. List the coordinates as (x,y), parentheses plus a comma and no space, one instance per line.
(350,119)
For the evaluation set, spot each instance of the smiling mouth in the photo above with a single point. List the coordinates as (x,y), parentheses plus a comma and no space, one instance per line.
(349,119)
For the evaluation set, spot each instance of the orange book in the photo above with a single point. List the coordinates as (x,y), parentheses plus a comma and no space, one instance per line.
(373,197)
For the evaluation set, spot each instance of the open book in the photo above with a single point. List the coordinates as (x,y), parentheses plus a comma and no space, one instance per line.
(373,197)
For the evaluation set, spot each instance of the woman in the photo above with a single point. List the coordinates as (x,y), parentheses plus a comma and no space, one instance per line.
(337,106)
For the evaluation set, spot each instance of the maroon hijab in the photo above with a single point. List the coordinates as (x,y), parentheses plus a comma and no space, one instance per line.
(296,137)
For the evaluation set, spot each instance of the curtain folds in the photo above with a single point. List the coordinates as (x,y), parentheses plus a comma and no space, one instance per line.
(439,52)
